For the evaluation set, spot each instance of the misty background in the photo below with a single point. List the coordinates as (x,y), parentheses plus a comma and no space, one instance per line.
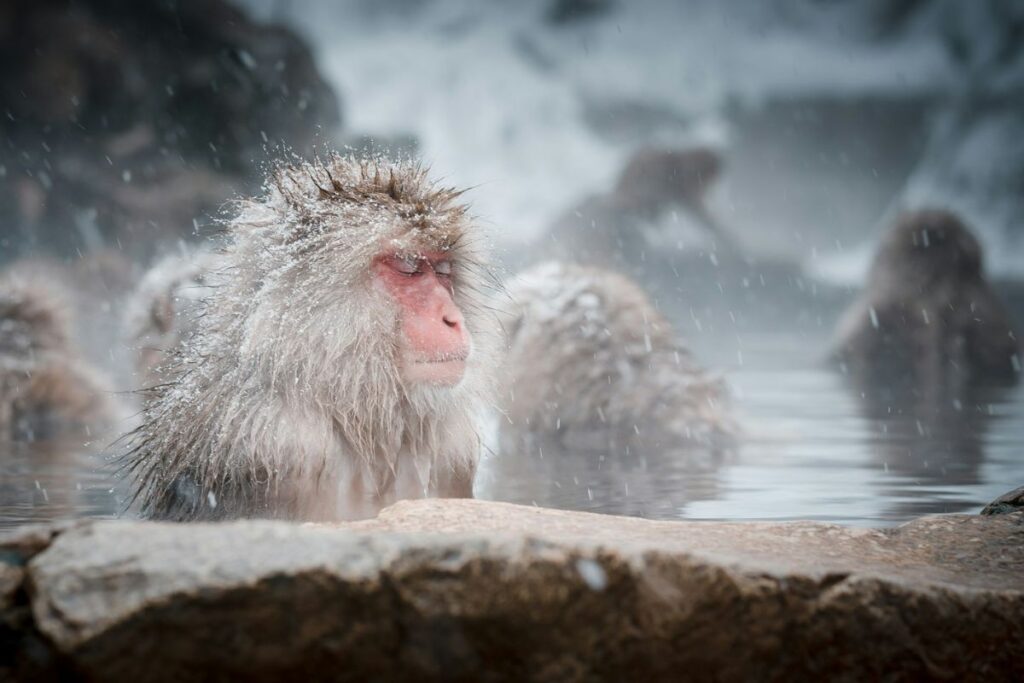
(126,128)
(829,115)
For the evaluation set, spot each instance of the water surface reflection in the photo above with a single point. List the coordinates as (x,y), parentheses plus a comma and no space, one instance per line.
(811,449)
(56,479)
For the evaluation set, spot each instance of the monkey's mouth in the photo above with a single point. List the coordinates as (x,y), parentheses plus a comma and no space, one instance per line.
(446,358)
(439,370)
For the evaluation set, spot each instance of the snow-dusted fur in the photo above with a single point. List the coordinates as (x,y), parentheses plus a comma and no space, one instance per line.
(287,400)
(46,387)
(928,321)
(593,365)
(163,309)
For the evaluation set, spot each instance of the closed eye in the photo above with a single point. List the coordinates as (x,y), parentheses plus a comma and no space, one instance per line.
(408,266)
(443,268)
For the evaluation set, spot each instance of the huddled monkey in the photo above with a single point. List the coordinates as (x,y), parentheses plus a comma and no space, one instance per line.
(928,323)
(46,387)
(164,307)
(592,365)
(341,359)
(608,229)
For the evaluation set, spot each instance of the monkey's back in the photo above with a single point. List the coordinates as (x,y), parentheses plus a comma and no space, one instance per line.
(45,386)
(593,364)
(928,321)
(162,311)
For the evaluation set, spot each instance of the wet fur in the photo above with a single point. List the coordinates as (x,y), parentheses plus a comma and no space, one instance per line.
(928,322)
(162,311)
(593,365)
(46,387)
(287,401)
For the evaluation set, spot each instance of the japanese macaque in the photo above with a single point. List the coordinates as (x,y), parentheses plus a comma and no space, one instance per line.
(608,229)
(340,360)
(163,310)
(592,365)
(100,283)
(928,324)
(46,387)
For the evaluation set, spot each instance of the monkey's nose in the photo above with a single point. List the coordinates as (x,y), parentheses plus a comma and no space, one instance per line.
(451,321)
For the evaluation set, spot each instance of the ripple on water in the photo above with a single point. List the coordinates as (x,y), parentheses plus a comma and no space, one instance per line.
(54,480)
(809,451)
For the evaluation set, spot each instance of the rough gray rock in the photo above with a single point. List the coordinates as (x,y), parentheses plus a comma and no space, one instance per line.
(470,590)
(17,547)
(1006,503)
(24,653)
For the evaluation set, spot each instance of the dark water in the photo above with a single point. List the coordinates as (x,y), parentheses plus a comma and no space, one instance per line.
(810,450)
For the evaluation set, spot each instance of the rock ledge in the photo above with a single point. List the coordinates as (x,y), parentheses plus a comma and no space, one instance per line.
(469,590)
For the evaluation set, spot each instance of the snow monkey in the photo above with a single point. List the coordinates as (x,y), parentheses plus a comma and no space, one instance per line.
(592,365)
(340,358)
(609,229)
(163,309)
(927,322)
(46,387)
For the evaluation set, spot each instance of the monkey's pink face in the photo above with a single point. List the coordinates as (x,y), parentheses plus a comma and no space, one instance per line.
(434,341)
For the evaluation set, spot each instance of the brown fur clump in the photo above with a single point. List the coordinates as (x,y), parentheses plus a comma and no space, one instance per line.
(286,401)
(671,176)
(928,322)
(614,229)
(593,365)
(45,386)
